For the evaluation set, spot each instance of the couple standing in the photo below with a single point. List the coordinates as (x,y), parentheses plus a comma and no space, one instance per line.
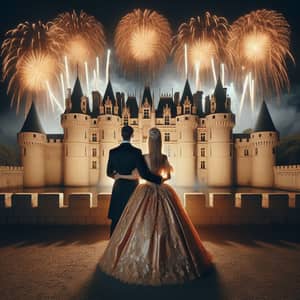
(153,241)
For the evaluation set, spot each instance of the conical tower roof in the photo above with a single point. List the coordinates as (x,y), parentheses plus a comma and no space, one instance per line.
(264,121)
(186,93)
(220,96)
(109,93)
(32,122)
(76,97)
(147,95)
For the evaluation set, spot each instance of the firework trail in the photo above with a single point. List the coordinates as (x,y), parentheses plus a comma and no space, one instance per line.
(29,60)
(260,43)
(206,37)
(142,43)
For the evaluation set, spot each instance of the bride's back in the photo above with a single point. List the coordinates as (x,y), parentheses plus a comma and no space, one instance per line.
(158,165)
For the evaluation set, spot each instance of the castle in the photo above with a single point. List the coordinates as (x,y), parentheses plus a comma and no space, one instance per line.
(197,139)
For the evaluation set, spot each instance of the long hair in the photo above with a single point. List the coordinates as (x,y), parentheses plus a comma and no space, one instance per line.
(155,145)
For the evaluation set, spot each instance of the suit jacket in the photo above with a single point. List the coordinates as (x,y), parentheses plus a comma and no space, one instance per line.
(123,160)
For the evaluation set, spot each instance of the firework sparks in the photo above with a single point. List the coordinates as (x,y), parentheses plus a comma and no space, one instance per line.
(206,37)
(28,61)
(80,35)
(142,42)
(260,42)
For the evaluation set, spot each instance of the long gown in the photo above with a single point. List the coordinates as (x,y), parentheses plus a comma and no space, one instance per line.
(154,242)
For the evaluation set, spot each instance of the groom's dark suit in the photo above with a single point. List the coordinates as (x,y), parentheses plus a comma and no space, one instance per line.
(123,160)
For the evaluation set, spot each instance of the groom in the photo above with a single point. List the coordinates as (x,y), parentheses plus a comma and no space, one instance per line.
(123,160)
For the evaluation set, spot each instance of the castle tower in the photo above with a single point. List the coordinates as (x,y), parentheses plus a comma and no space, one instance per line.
(264,140)
(220,123)
(186,124)
(32,140)
(109,123)
(76,124)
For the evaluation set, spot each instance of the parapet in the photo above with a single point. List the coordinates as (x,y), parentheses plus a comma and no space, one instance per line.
(211,209)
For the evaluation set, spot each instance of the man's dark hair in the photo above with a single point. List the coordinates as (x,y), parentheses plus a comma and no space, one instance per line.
(127,132)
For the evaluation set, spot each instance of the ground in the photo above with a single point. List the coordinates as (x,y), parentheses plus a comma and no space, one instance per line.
(251,262)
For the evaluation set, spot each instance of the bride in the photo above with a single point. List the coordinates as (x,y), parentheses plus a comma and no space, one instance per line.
(155,242)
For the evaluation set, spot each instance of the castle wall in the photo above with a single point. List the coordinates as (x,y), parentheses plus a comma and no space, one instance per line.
(287,177)
(220,149)
(54,163)
(11,176)
(33,158)
(242,162)
(263,158)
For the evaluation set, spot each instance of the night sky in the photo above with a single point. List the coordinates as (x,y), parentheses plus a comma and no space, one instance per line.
(110,12)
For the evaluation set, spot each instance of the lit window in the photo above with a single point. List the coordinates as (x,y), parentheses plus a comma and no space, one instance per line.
(202,152)
(167,137)
(94,137)
(167,120)
(125,120)
(108,110)
(146,113)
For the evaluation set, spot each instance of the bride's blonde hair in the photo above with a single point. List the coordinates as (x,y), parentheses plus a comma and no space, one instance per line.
(155,145)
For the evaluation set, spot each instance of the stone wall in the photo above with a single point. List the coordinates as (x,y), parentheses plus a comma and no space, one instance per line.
(287,177)
(216,208)
(11,176)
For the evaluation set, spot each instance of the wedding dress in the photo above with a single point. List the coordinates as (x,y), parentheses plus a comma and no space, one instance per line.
(154,242)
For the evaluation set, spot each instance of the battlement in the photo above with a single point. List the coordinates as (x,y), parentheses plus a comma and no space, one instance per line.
(11,169)
(214,208)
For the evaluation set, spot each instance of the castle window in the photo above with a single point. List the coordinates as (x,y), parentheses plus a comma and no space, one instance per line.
(259,135)
(108,110)
(270,134)
(24,151)
(246,152)
(103,152)
(94,164)
(213,116)
(202,164)
(186,118)
(177,119)
(108,118)
(146,113)
(167,120)
(273,150)
(66,150)
(225,117)
(202,137)
(167,137)
(94,137)
(75,117)
(125,120)
(86,118)
(134,123)
(34,135)
(102,134)
(202,122)
(187,110)
(202,152)
(256,151)
(94,152)
(95,122)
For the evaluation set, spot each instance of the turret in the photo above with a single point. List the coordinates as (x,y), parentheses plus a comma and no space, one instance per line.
(76,124)
(220,122)
(186,125)
(264,140)
(109,123)
(32,140)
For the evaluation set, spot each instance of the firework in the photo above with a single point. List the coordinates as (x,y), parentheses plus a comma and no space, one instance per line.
(206,38)
(81,37)
(28,61)
(142,42)
(260,43)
